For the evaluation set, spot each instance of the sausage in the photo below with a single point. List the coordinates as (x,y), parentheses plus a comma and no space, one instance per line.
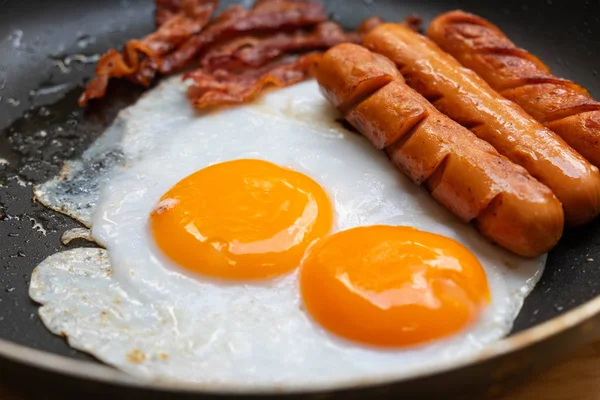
(559,104)
(465,174)
(466,98)
(350,82)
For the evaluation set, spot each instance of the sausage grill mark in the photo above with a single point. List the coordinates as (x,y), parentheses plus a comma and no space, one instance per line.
(560,104)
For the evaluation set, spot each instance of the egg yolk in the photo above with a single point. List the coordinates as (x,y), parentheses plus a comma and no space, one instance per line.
(392,286)
(242,219)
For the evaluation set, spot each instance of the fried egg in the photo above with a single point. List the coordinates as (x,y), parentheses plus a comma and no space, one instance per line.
(265,247)
(259,224)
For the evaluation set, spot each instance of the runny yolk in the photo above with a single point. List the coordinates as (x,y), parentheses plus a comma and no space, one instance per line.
(392,286)
(242,219)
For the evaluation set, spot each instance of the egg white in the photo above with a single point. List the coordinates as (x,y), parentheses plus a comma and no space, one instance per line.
(134,309)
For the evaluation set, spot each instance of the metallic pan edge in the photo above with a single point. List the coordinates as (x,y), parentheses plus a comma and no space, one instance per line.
(105,374)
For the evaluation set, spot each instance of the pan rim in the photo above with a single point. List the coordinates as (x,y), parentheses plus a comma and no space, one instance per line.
(102,373)
(97,371)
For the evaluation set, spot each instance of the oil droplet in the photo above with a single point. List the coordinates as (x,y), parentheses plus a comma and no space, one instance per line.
(84,41)
(64,63)
(20,182)
(44,112)
(37,226)
(82,58)
(48,90)
(15,38)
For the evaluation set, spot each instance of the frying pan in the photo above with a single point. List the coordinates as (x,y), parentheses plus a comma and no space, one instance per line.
(48,50)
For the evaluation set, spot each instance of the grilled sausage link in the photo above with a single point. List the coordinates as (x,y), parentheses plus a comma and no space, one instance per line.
(465,97)
(559,104)
(462,172)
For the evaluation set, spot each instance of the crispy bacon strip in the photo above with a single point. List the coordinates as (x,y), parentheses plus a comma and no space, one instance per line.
(222,87)
(165,9)
(266,16)
(137,62)
(256,51)
(237,40)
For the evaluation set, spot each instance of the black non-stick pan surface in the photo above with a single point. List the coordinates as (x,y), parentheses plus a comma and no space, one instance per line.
(48,51)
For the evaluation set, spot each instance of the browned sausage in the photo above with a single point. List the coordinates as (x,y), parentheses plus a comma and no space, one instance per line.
(559,104)
(462,172)
(351,82)
(465,97)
